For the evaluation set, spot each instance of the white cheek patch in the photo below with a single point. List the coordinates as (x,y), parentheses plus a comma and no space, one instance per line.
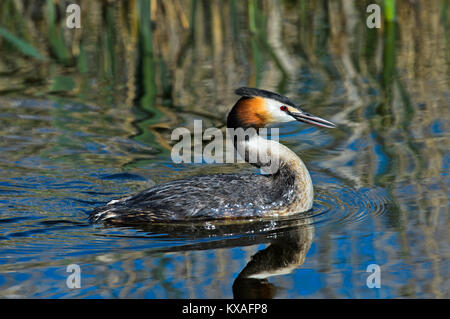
(273,107)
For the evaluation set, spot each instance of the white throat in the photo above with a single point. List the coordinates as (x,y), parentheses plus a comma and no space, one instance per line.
(278,160)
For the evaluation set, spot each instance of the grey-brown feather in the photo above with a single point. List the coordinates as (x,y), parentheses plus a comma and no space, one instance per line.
(203,197)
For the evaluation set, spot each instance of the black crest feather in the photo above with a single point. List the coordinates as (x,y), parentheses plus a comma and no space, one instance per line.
(250,92)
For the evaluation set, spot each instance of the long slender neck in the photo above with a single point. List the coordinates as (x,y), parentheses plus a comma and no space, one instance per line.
(291,179)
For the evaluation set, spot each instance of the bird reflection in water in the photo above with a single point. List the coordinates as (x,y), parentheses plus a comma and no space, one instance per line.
(284,254)
(289,240)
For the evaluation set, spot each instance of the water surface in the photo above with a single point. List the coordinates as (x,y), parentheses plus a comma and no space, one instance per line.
(91,120)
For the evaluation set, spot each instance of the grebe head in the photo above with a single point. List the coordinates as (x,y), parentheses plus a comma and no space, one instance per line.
(258,108)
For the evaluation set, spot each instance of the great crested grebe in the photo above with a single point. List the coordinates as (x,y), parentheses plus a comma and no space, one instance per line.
(285,191)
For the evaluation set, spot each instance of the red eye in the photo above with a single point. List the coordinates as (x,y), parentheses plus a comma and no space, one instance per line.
(283,108)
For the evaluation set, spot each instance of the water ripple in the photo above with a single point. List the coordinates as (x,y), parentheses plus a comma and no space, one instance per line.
(346,205)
